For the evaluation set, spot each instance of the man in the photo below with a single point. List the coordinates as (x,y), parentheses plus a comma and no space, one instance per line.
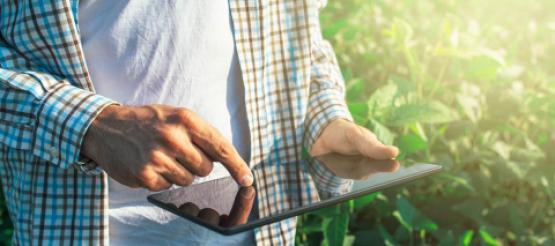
(158,118)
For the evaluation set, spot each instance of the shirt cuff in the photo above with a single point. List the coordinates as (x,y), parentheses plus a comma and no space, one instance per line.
(63,117)
(324,107)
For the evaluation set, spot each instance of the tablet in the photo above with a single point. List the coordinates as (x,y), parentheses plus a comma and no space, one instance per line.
(221,205)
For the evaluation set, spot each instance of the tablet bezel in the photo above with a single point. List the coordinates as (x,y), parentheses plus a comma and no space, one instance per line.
(300,210)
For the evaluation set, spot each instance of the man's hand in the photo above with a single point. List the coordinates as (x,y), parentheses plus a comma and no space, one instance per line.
(155,146)
(347,138)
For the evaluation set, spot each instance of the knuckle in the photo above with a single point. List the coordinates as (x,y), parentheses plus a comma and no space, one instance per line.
(354,132)
(155,158)
(170,140)
(371,135)
(165,132)
(183,180)
(223,150)
(184,114)
(164,129)
(195,159)
(186,181)
(146,177)
(205,169)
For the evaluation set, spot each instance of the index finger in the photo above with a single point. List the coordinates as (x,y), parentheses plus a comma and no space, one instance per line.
(220,149)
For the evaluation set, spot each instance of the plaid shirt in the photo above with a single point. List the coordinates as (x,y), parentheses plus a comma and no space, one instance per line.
(55,196)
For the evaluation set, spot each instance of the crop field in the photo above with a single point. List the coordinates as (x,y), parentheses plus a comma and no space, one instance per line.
(467,84)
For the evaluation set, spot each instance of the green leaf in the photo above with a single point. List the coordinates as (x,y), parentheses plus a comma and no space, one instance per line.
(466,238)
(387,238)
(410,144)
(406,213)
(382,133)
(472,208)
(342,208)
(327,212)
(368,237)
(445,237)
(330,31)
(422,112)
(400,31)
(488,239)
(350,33)
(456,181)
(404,86)
(483,67)
(502,149)
(311,224)
(354,89)
(381,101)
(417,129)
(411,218)
(363,201)
(359,112)
(349,240)
(336,230)
(516,168)
(407,224)
(470,106)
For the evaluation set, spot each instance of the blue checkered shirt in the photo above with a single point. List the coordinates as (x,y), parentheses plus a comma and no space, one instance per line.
(56,196)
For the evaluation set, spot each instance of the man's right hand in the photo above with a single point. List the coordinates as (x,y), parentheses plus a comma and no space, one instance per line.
(156,146)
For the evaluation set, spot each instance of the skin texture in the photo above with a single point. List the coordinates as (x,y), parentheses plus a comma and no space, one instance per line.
(155,146)
(347,138)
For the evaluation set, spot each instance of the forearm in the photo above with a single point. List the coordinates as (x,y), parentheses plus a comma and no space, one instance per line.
(326,104)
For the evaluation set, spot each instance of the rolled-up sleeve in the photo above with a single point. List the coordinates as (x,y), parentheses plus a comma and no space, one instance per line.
(44,114)
(326,103)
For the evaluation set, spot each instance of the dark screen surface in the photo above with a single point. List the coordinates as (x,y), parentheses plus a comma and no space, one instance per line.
(223,206)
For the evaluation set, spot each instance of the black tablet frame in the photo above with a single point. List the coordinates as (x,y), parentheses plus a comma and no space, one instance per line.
(296,211)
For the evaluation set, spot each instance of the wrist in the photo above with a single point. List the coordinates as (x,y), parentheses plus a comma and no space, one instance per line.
(94,133)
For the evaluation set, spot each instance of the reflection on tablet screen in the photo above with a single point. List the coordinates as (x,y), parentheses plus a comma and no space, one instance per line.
(225,207)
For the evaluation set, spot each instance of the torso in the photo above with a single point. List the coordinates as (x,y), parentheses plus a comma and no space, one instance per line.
(179,53)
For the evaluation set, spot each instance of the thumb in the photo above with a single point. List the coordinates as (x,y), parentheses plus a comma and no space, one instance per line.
(367,144)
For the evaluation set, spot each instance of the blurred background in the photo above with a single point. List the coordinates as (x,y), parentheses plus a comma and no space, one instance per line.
(468,84)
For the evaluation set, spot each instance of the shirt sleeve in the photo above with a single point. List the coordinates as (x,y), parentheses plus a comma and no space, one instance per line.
(43,113)
(326,103)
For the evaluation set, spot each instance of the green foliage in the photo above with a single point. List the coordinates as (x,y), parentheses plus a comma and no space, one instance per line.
(466,84)
(6,229)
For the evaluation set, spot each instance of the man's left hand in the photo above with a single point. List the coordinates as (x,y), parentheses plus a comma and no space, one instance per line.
(347,138)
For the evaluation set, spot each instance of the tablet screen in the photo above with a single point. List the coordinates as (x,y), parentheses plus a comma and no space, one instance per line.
(223,206)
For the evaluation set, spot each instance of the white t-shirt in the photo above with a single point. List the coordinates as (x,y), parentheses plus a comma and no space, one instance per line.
(175,52)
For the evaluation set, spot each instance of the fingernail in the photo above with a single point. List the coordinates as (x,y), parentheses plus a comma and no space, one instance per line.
(247,180)
(395,150)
